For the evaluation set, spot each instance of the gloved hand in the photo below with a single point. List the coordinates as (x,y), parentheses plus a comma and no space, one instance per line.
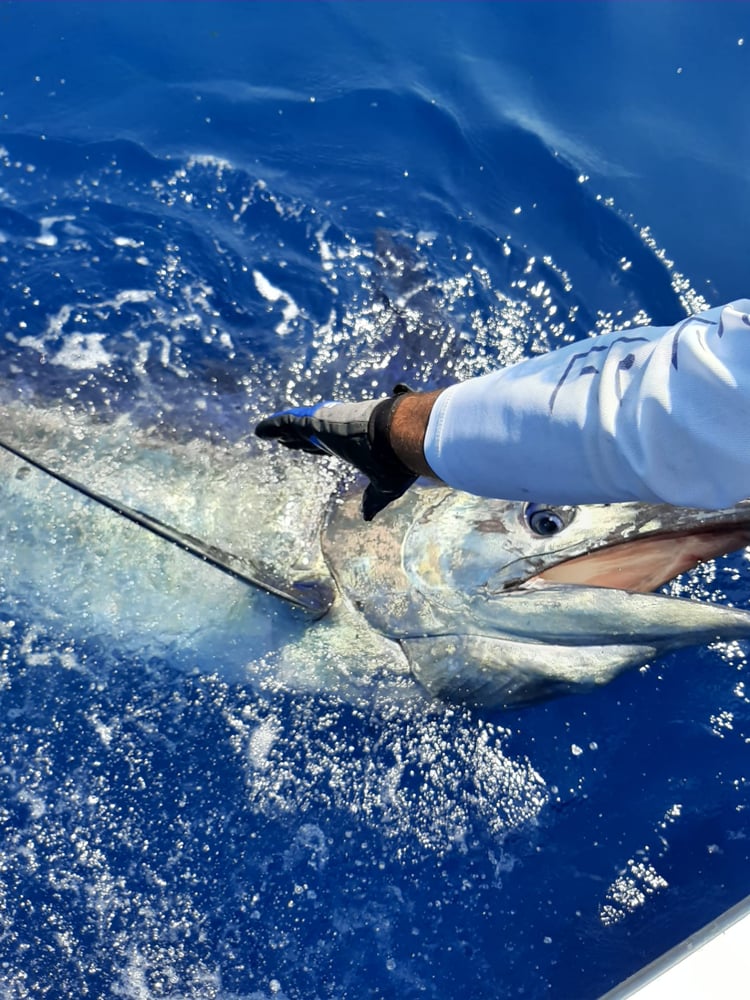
(357,432)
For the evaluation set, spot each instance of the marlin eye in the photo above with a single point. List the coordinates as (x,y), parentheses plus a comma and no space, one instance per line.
(546,521)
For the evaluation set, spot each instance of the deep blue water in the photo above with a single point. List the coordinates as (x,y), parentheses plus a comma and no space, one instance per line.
(210,209)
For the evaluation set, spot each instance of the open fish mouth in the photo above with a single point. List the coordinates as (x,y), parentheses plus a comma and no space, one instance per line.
(644,564)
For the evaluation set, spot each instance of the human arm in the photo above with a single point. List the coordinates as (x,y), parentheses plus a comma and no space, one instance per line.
(642,414)
(659,414)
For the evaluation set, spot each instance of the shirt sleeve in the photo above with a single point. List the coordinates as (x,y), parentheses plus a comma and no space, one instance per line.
(654,414)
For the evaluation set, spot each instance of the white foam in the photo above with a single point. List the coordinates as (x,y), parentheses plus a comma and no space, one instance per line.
(82,351)
(630,890)
(46,237)
(91,354)
(271,293)
(208,160)
(130,295)
(260,743)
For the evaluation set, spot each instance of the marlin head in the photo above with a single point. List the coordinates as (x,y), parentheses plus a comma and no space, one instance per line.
(499,602)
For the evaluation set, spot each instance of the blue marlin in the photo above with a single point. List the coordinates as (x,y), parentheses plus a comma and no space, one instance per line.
(480,601)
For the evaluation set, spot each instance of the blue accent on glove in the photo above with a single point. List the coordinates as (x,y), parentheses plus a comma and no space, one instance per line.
(294,428)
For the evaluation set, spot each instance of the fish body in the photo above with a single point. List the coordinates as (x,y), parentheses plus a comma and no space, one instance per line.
(482,601)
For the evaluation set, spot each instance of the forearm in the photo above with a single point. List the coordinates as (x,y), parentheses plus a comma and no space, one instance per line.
(409,429)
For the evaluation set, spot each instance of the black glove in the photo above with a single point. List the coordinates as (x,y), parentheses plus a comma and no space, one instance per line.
(357,432)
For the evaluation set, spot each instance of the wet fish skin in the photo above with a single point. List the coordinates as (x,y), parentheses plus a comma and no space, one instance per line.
(459,582)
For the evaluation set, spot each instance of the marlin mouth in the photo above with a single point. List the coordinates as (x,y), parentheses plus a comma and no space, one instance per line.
(644,564)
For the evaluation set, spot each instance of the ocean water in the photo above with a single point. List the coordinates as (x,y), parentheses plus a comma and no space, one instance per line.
(211,209)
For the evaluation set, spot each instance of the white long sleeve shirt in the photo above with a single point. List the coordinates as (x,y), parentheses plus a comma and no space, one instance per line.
(655,414)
